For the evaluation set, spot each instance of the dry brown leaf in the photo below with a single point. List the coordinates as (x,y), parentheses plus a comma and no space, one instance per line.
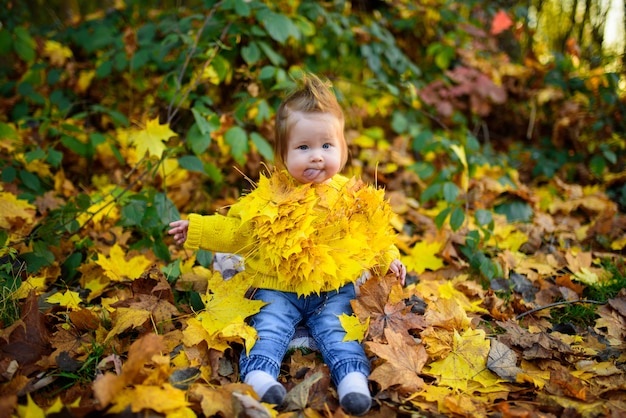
(106,387)
(404,359)
(373,302)
(502,361)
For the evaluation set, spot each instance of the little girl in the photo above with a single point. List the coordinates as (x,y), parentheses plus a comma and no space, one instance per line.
(306,233)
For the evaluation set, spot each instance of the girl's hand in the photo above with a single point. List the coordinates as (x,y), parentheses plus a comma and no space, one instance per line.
(179,230)
(398,269)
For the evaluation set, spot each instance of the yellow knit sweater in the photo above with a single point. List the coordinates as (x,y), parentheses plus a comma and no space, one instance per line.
(303,238)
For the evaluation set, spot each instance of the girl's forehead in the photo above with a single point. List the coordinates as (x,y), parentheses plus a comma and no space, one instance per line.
(314,116)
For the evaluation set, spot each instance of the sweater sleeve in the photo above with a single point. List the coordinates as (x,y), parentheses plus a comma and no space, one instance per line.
(218,233)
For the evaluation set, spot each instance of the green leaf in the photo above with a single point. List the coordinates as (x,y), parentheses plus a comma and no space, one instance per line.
(214,173)
(483,217)
(197,141)
(6,42)
(36,154)
(165,209)
(267,72)
(264,147)
(597,165)
(206,124)
(237,138)
(276,59)
(30,180)
(441,217)
(450,191)
(132,213)
(251,53)
(457,218)
(430,192)
(421,140)
(191,163)
(399,123)
(7,132)
(24,44)
(278,26)
(35,262)
(242,8)
(204,258)
(515,211)
(117,117)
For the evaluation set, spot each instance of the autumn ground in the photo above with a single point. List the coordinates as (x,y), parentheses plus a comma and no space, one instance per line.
(540,340)
(515,304)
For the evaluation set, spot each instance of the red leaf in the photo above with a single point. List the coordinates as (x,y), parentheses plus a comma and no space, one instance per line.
(501,22)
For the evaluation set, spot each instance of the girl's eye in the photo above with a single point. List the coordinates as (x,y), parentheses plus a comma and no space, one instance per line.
(326,145)
(303,147)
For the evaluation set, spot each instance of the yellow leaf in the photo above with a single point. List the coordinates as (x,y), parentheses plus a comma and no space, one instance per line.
(36,283)
(467,360)
(586,276)
(30,410)
(448,291)
(162,399)
(118,269)
(460,152)
(68,299)
(355,330)
(219,324)
(423,257)
(506,236)
(56,52)
(152,138)
(104,208)
(125,318)
(84,80)
(11,208)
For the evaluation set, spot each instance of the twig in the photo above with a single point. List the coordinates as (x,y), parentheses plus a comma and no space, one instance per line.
(181,97)
(551,305)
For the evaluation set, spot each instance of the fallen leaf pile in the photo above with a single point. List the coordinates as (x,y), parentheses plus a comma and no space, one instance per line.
(131,335)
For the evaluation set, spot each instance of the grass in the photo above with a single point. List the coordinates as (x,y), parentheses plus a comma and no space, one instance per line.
(10,272)
(584,314)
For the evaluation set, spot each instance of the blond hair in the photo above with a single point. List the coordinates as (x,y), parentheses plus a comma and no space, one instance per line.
(312,95)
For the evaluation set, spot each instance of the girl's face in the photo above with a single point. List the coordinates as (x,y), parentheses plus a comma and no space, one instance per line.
(314,147)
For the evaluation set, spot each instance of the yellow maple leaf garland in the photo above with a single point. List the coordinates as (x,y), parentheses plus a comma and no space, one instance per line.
(315,236)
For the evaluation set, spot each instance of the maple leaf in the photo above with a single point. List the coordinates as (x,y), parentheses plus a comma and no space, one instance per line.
(68,299)
(404,360)
(31,409)
(423,256)
(219,324)
(11,208)
(374,303)
(106,387)
(448,314)
(501,22)
(57,52)
(355,330)
(118,269)
(534,345)
(217,400)
(311,232)
(164,399)
(151,139)
(125,318)
(466,360)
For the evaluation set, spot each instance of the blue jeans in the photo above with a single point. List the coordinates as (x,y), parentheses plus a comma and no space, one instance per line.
(276,322)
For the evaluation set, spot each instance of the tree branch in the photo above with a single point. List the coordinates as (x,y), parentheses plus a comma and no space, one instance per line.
(552,305)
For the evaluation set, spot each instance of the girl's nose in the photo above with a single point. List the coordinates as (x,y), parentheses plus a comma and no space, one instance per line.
(316,156)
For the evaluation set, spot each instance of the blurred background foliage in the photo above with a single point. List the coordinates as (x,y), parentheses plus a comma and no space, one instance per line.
(434,91)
